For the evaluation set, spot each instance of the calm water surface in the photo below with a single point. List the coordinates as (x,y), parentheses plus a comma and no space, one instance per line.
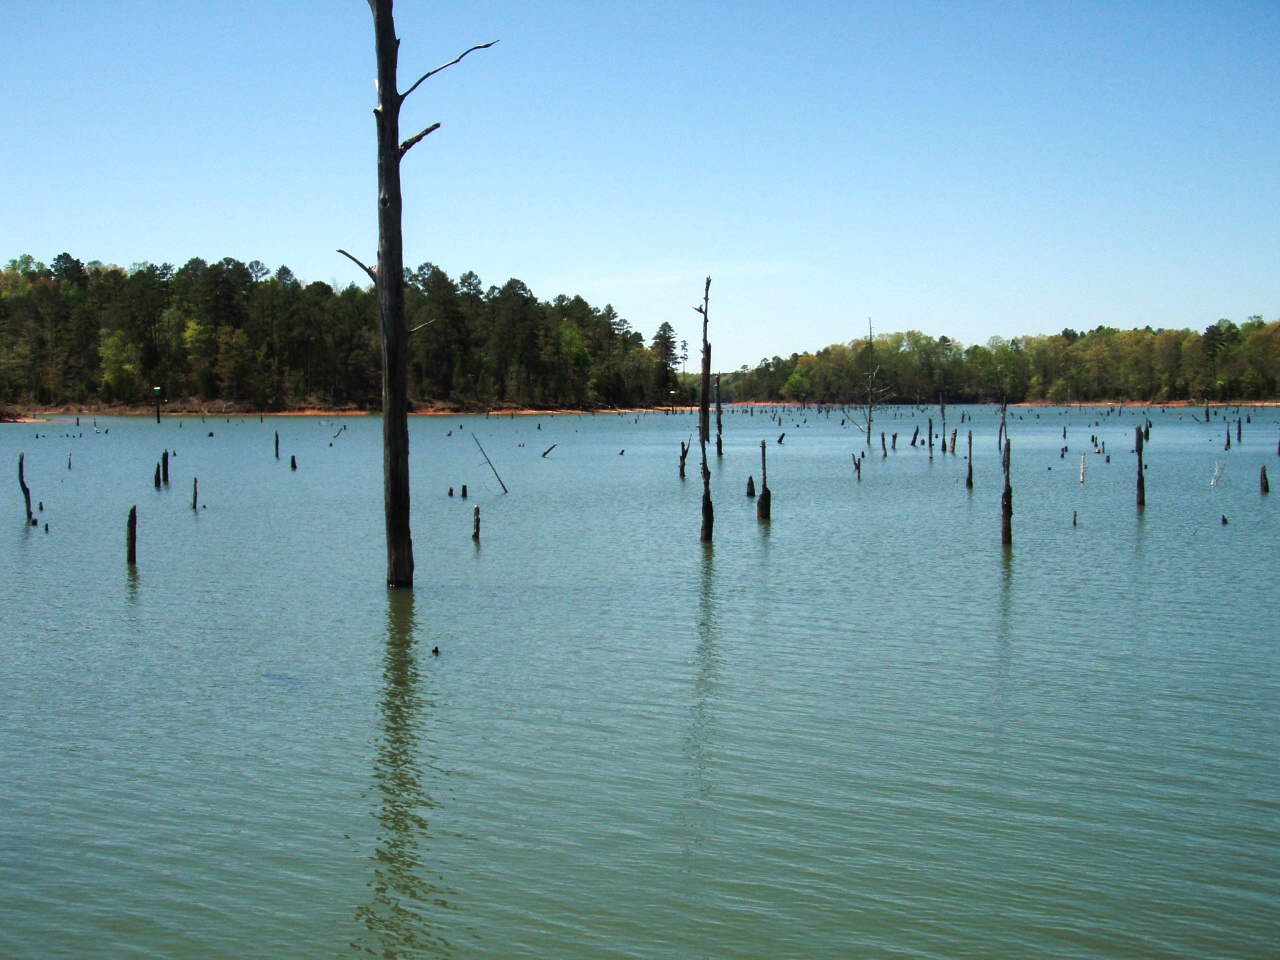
(860,730)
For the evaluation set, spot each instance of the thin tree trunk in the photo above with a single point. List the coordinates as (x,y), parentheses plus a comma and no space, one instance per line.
(22,482)
(1006,501)
(708,511)
(1142,482)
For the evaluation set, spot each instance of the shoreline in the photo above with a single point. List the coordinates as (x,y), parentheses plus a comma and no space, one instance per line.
(64,411)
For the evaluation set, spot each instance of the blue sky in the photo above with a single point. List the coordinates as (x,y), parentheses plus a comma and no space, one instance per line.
(968,169)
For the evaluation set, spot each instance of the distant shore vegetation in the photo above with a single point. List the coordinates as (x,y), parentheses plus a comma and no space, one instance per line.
(239,333)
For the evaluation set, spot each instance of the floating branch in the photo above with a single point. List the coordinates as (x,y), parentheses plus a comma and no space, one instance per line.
(490,463)
(550,448)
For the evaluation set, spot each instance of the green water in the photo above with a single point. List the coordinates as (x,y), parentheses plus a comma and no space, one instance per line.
(860,730)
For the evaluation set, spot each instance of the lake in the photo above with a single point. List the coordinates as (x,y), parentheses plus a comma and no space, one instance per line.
(861,729)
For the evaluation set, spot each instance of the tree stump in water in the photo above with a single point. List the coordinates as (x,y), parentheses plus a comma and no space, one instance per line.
(764,503)
(164,468)
(1006,501)
(22,482)
(131,537)
(1265,485)
(1142,483)
(475,529)
(751,486)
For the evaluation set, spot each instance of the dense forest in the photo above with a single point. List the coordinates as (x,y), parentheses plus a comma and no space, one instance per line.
(72,333)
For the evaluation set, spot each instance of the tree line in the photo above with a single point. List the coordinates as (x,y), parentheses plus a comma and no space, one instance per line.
(76,333)
(1224,362)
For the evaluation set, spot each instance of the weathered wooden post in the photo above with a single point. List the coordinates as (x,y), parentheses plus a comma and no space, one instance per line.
(475,530)
(1265,485)
(968,480)
(26,491)
(164,468)
(954,431)
(195,493)
(751,487)
(131,537)
(764,503)
(1006,500)
(1142,482)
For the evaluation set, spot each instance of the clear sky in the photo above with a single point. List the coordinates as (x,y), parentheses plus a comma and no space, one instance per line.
(971,169)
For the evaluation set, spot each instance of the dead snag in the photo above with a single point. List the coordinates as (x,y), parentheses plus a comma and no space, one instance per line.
(751,486)
(1006,501)
(968,480)
(1265,485)
(704,418)
(388,279)
(26,491)
(131,537)
(1142,481)
(475,529)
(764,503)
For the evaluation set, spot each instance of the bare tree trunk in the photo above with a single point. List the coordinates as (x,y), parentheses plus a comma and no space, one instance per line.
(1006,501)
(388,277)
(764,503)
(968,480)
(1142,482)
(22,482)
(704,418)
(131,537)
(390,284)
(719,421)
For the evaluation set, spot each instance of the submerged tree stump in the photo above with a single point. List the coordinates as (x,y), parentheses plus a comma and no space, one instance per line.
(751,486)
(26,491)
(968,480)
(1142,482)
(164,468)
(1264,484)
(765,502)
(131,537)
(1006,501)
(475,529)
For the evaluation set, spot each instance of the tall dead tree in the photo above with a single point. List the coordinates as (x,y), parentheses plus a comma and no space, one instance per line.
(872,395)
(704,417)
(388,278)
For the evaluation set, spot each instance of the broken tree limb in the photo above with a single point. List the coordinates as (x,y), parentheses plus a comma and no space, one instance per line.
(490,463)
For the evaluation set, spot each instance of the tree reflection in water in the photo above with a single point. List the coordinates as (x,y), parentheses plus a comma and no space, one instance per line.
(403,917)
